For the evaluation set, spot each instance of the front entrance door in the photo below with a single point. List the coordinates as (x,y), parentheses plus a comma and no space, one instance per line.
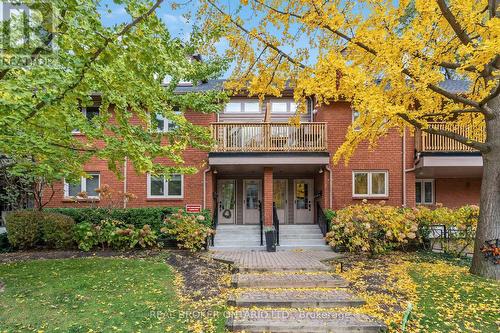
(252,195)
(227,201)
(303,198)
(280,198)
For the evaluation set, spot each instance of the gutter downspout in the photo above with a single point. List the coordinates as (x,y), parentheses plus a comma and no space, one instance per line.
(205,186)
(330,183)
(405,171)
(125,183)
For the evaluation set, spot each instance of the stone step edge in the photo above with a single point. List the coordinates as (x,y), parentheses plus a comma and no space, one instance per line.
(304,303)
(326,283)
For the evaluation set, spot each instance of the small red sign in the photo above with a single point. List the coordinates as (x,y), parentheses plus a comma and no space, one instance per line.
(193,208)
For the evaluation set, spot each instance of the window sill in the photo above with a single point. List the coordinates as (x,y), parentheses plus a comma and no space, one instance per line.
(385,197)
(77,134)
(81,199)
(165,199)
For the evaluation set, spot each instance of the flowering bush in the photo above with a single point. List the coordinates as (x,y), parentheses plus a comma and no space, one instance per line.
(189,230)
(114,234)
(373,228)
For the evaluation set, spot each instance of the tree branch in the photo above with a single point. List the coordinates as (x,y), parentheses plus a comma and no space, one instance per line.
(94,57)
(448,15)
(482,147)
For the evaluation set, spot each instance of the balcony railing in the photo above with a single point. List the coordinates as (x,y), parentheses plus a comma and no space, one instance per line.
(269,137)
(427,142)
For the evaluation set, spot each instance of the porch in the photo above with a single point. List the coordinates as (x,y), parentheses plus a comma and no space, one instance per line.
(249,197)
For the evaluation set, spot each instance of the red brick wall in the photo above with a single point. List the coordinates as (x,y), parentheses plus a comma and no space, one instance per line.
(137,183)
(386,157)
(456,192)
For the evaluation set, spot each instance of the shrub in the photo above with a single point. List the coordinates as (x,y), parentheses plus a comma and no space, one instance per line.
(57,230)
(189,230)
(24,228)
(138,217)
(114,234)
(373,228)
(4,243)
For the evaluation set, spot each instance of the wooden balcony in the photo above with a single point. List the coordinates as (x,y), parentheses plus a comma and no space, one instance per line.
(269,137)
(426,142)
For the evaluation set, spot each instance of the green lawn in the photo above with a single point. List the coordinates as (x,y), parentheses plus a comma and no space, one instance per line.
(95,294)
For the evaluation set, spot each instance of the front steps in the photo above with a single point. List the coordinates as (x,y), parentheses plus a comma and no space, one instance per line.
(247,237)
(294,301)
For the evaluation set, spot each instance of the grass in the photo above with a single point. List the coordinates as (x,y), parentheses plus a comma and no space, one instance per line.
(94,294)
(446,298)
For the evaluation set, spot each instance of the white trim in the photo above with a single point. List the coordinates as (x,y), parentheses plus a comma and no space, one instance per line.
(369,181)
(422,191)
(165,188)
(242,102)
(288,105)
(83,186)
(166,122)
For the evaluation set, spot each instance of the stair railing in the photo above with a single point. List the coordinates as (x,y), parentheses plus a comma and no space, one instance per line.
(215,222)
(322,220)
(276,223)
(261,222)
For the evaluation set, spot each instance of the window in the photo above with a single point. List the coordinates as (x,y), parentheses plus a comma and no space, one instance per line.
(243,105)
(164,124)
(89,112)
(370,183)
(355,115)
(161,187)
(283,106)
(88,185)
(424,191)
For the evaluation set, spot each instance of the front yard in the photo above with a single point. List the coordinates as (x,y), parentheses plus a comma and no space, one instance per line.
(443,295)
(100,295)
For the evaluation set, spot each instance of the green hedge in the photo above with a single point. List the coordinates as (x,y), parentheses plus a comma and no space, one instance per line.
(137,217)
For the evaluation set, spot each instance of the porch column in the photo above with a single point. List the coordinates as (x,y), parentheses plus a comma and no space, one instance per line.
(268,196)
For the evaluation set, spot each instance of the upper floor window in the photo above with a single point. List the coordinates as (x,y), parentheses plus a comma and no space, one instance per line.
(424,191)
(161,187)
(87,186)
(355,116)
(370,183)
(283,106)
(90,112)
(164,124)
(243,106)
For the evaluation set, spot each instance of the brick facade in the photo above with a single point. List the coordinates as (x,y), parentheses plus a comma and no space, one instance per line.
(200,187)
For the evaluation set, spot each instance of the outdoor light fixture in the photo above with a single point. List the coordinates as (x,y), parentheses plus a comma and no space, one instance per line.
(215,172)
(320,170)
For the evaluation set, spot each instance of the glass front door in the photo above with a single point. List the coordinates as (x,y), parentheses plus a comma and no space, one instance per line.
(227,203)
(252,192)
(303,199)
(280,199)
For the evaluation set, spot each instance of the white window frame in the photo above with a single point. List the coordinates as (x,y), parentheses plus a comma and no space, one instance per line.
(165,187)
(242,103)
(288,103)
(422,192)
(83,186)
(84,112)
(370,194)
(166,122)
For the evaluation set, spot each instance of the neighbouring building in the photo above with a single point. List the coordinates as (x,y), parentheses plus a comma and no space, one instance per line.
(255,164)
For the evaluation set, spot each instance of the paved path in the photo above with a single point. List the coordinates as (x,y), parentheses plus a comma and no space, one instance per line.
(277,261)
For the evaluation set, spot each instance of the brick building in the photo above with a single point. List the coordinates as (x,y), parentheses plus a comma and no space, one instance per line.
(255,163)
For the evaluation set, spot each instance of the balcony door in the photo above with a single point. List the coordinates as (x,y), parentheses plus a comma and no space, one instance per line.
(280,198)
(227,201)
(252,194)
(303,200)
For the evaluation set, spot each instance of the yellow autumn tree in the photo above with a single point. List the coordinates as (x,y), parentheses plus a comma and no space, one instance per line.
(388,58)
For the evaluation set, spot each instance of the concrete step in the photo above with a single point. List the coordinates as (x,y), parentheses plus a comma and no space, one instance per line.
(298,241)
(304,248)
(237,248)
(294,298)
(300,236)
(301,321)
(288,280)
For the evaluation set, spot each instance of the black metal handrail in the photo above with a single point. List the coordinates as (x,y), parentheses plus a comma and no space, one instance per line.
(261,222)
(276,223)
(215,222)
(322,220)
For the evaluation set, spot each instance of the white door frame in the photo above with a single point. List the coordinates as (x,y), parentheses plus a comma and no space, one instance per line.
(283,220)
(219,201)
(244,204)
(310,202)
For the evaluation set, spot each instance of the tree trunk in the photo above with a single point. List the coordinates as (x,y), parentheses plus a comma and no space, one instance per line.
(489,219)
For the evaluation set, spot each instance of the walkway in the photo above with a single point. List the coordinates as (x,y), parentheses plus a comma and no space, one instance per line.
(291,292)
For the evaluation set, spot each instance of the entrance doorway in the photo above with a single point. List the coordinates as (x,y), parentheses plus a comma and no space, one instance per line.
(280,198)
(303,198)
(227,201)
(252,195)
